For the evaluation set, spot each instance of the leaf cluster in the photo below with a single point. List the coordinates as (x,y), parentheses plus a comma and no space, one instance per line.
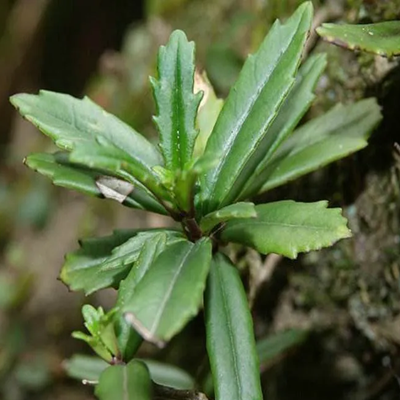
(202,174)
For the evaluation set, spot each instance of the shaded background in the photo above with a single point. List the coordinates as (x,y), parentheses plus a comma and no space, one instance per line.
(342,304)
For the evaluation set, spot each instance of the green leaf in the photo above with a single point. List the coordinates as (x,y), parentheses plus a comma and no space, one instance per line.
(128,382)
(241,131)
(234,211)
(85,368)
(101,328)
(330,137)
(294,108)
(88,181)
(230,337)
(129,340)
(105,155)
(104,262)
(170,293)
(89,368)
(208,112)
(176,103)
(382,38)
(169,375)
(73,123)
(288,228)
(273,347)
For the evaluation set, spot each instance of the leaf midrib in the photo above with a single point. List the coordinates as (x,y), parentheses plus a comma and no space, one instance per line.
(260,88)
(165,300)
(285,225)
(230,334)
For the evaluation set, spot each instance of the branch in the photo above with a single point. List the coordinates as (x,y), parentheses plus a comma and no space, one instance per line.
(168,393)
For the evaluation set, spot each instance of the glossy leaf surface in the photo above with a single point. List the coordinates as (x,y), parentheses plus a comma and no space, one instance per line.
(85,368)
(234,211)
(104,262)
(176,103)
(382,38)
(170,293)
(63,173)
(127,382)
(288,228)
(230,337)
(330,137)
(293,109)
(128,339)
(250,109)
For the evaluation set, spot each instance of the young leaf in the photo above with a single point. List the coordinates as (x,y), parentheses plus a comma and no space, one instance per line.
(170,293)
(176,103)
(104,262)
(334,135)
(254,101)
(128,339)
(294,108)
(88,181)
(382,38)
(72,123)
(128,382)
(230,337)
(288,228)
(234,211)
(209,109)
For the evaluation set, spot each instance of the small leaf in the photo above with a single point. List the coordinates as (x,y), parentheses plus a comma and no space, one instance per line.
(129,340)
(234,211)
(96,344)
(330,137)
(170,293)
(85,368)
(208,112)
(382,38)
(128,382)
(104,262)
(230,337)
(63,173)
(288,228)
(72,124)
(176,103)
(241,131)
(294,108)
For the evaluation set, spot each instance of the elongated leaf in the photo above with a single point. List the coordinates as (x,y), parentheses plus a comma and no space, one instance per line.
(209,109)
(63,173)
(89,368)
(294,108)
(128,339)
(242,127)
(230,338)
(171,291)
(169,375)
(104,262)
(234,211)
(127,382)
(382,38)
(288,228)
(176,103)
(336,134)
(71,122)
(85,368)
(103,154)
